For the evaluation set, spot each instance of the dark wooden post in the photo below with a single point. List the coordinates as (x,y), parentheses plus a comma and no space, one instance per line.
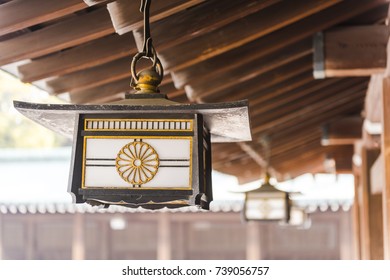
(386,158)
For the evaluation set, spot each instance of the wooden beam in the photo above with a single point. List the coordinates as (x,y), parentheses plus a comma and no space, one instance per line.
(19,14)
(299,54)
(312,164)
(294,143)
(342,132)
(274,41)
(110,96)
(356,207)
(108,89)
(92,77)
(277,119)
(238,34)
(65,34)
(350,51)
(317,98)
(273,102)
(343,158)
(377,176)
(373,102)
(263,82)
(310,146)
(312,120)
(199,20)
(386,157)
(126,17)
(113,88)
(251,90)
(81,57)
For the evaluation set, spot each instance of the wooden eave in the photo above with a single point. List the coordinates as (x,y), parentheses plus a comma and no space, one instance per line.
(212,51)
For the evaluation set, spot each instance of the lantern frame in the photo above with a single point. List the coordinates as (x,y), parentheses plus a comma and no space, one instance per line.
(261,196)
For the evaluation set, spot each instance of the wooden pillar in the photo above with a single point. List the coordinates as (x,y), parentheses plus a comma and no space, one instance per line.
(371,226)
(164,237)
(346,244)
(386,158)
(357,172)
(78,248)
(253,246)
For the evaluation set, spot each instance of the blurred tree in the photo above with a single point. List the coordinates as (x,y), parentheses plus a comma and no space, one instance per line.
(16,131)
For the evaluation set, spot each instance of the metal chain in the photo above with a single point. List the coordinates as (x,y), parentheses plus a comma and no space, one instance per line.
(148,50)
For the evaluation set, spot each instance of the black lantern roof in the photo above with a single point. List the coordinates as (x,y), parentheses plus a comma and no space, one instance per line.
(227,122)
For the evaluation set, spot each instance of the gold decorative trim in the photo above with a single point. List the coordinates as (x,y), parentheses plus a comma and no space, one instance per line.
(137,163)
(141,121)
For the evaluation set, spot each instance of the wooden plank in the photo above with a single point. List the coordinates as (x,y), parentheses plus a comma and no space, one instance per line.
(172,93)
(342,132)
(309,145)
(81,57)
(356,207)
(274,41)
(96,93)
(376,227)
(372,105)
(241,75)
(368,158)
(273,102)
(297,117)
(317,98)
(351,51)
(316,119)
(238,33)
(92,77)
(343,158)
(197,21)
(263,82)
(313,164)
(295,111)
(19,14)
(252,92)
(74,31)
(295,142)
(302,162)
(126,17)
(386,157)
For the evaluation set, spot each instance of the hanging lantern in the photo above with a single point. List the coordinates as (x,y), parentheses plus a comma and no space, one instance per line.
(145,150)
(266,203)
(299,218)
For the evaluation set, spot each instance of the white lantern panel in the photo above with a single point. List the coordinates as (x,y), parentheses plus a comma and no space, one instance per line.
(129,162)
(265,209)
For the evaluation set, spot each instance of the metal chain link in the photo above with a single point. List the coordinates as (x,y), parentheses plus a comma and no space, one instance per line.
(148,50)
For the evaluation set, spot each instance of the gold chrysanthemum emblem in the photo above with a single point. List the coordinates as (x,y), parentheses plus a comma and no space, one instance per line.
(137,163)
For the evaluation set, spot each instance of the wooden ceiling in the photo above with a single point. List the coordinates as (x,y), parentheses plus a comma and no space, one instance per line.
(212,51)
